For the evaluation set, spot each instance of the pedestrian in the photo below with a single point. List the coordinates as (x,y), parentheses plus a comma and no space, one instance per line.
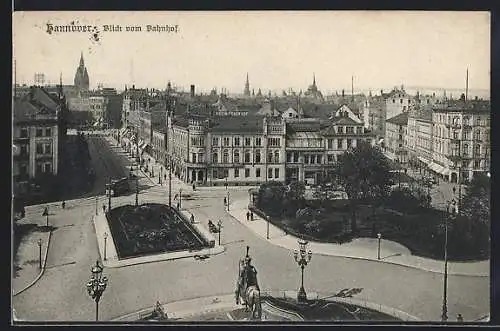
(178,205)
(104,208)
(460,318)
(63,204)
(194,187)
(248,215)
(165,177)
(251,216)
(225,201)
(192,219)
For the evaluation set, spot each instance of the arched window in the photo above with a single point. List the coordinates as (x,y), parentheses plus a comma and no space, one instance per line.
(225,157)
(477,135)
(236,156)
(269,157)
(247,157)
(277,157)
(215,158)
(257,156)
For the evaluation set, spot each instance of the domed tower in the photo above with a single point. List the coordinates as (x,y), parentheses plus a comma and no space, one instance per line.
(81,77)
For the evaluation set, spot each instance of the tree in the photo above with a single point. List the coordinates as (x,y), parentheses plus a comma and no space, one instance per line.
(475,209)
(293,197)
(270,198)
(364,173)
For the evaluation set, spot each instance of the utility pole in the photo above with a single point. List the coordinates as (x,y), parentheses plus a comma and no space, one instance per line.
(109,195)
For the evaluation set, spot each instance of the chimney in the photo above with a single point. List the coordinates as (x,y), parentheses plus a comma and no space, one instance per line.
(192,91)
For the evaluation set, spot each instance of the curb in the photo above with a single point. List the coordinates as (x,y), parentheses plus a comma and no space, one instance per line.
(367,259)
(43,268)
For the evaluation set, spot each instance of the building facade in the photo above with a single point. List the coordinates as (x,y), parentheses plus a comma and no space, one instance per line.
(461,134)
(395,133)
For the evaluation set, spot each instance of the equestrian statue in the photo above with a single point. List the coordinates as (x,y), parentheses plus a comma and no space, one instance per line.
(247,288)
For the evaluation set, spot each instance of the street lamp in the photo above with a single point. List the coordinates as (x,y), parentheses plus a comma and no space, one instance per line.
(105,242)
(96,202)
(379,236)
(160,174)
(109,195)
(449,211)
(180,199)
(219,224)
(137,190)
(39,253)
(227,200)
(268,218)
(302,258)
(96,286)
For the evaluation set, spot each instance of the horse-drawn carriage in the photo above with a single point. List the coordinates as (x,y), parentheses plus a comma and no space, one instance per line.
(247,288)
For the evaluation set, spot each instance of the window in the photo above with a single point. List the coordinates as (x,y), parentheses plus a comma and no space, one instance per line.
(247,141)
(270,173)
(236,141)
(39,148)
(257,156)
(48,168)
(48,132)
(465,149)
(236,156)
(257,142)
(349,129)
(276,157)
(349,143)
(24,150)
(200,158)
(226,173)
(226,141)
(39,168)
(339,143)
(236,173)
(23,170)
(295,157)
(247,157)
(478,121)
(306,159)
(269,157)
(404,108)
(289,157)
(360,129)
(225,157)
(330,143)
(24,133)
(340,129)
(477,135)
(455,134)
(257,172)
(47,149)
(393,100)
(319,158)
(276,173)
(477,150)
(400,100)
(247,173)
(193,156)
(274,142)
(39,132)
(331,158)
(215,141)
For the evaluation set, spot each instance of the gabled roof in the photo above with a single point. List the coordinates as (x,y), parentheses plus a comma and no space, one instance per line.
(237,124)
(400,119)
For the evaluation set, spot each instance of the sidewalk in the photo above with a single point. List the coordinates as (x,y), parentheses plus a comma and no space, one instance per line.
(360,248)
(26,269)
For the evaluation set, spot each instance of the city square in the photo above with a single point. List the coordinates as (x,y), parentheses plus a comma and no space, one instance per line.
(160,205)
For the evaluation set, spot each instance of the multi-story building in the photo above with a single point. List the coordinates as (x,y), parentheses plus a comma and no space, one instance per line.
(461,145)
(419,138)
(395,133)
(250,150)
(38,134)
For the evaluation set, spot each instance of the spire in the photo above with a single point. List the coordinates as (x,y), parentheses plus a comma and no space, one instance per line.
(82,63)
(314,79)
(246,91)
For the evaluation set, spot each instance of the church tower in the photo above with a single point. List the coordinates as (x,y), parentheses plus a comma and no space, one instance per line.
(81,77)
(246,92)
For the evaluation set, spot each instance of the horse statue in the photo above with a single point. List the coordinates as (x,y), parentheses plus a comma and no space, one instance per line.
(247,288)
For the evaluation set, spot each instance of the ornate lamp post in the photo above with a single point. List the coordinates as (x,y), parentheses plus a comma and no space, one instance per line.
(219,225)
(96,286)
(105,244)
(39,253)
(379,236)
(302,258)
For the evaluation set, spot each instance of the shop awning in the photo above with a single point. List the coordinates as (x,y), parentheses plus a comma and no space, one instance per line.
(423,159)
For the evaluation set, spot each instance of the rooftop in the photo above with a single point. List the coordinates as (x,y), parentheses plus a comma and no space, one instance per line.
(400,119)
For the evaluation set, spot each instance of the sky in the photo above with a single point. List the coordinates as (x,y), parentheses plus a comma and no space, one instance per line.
(278,50)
